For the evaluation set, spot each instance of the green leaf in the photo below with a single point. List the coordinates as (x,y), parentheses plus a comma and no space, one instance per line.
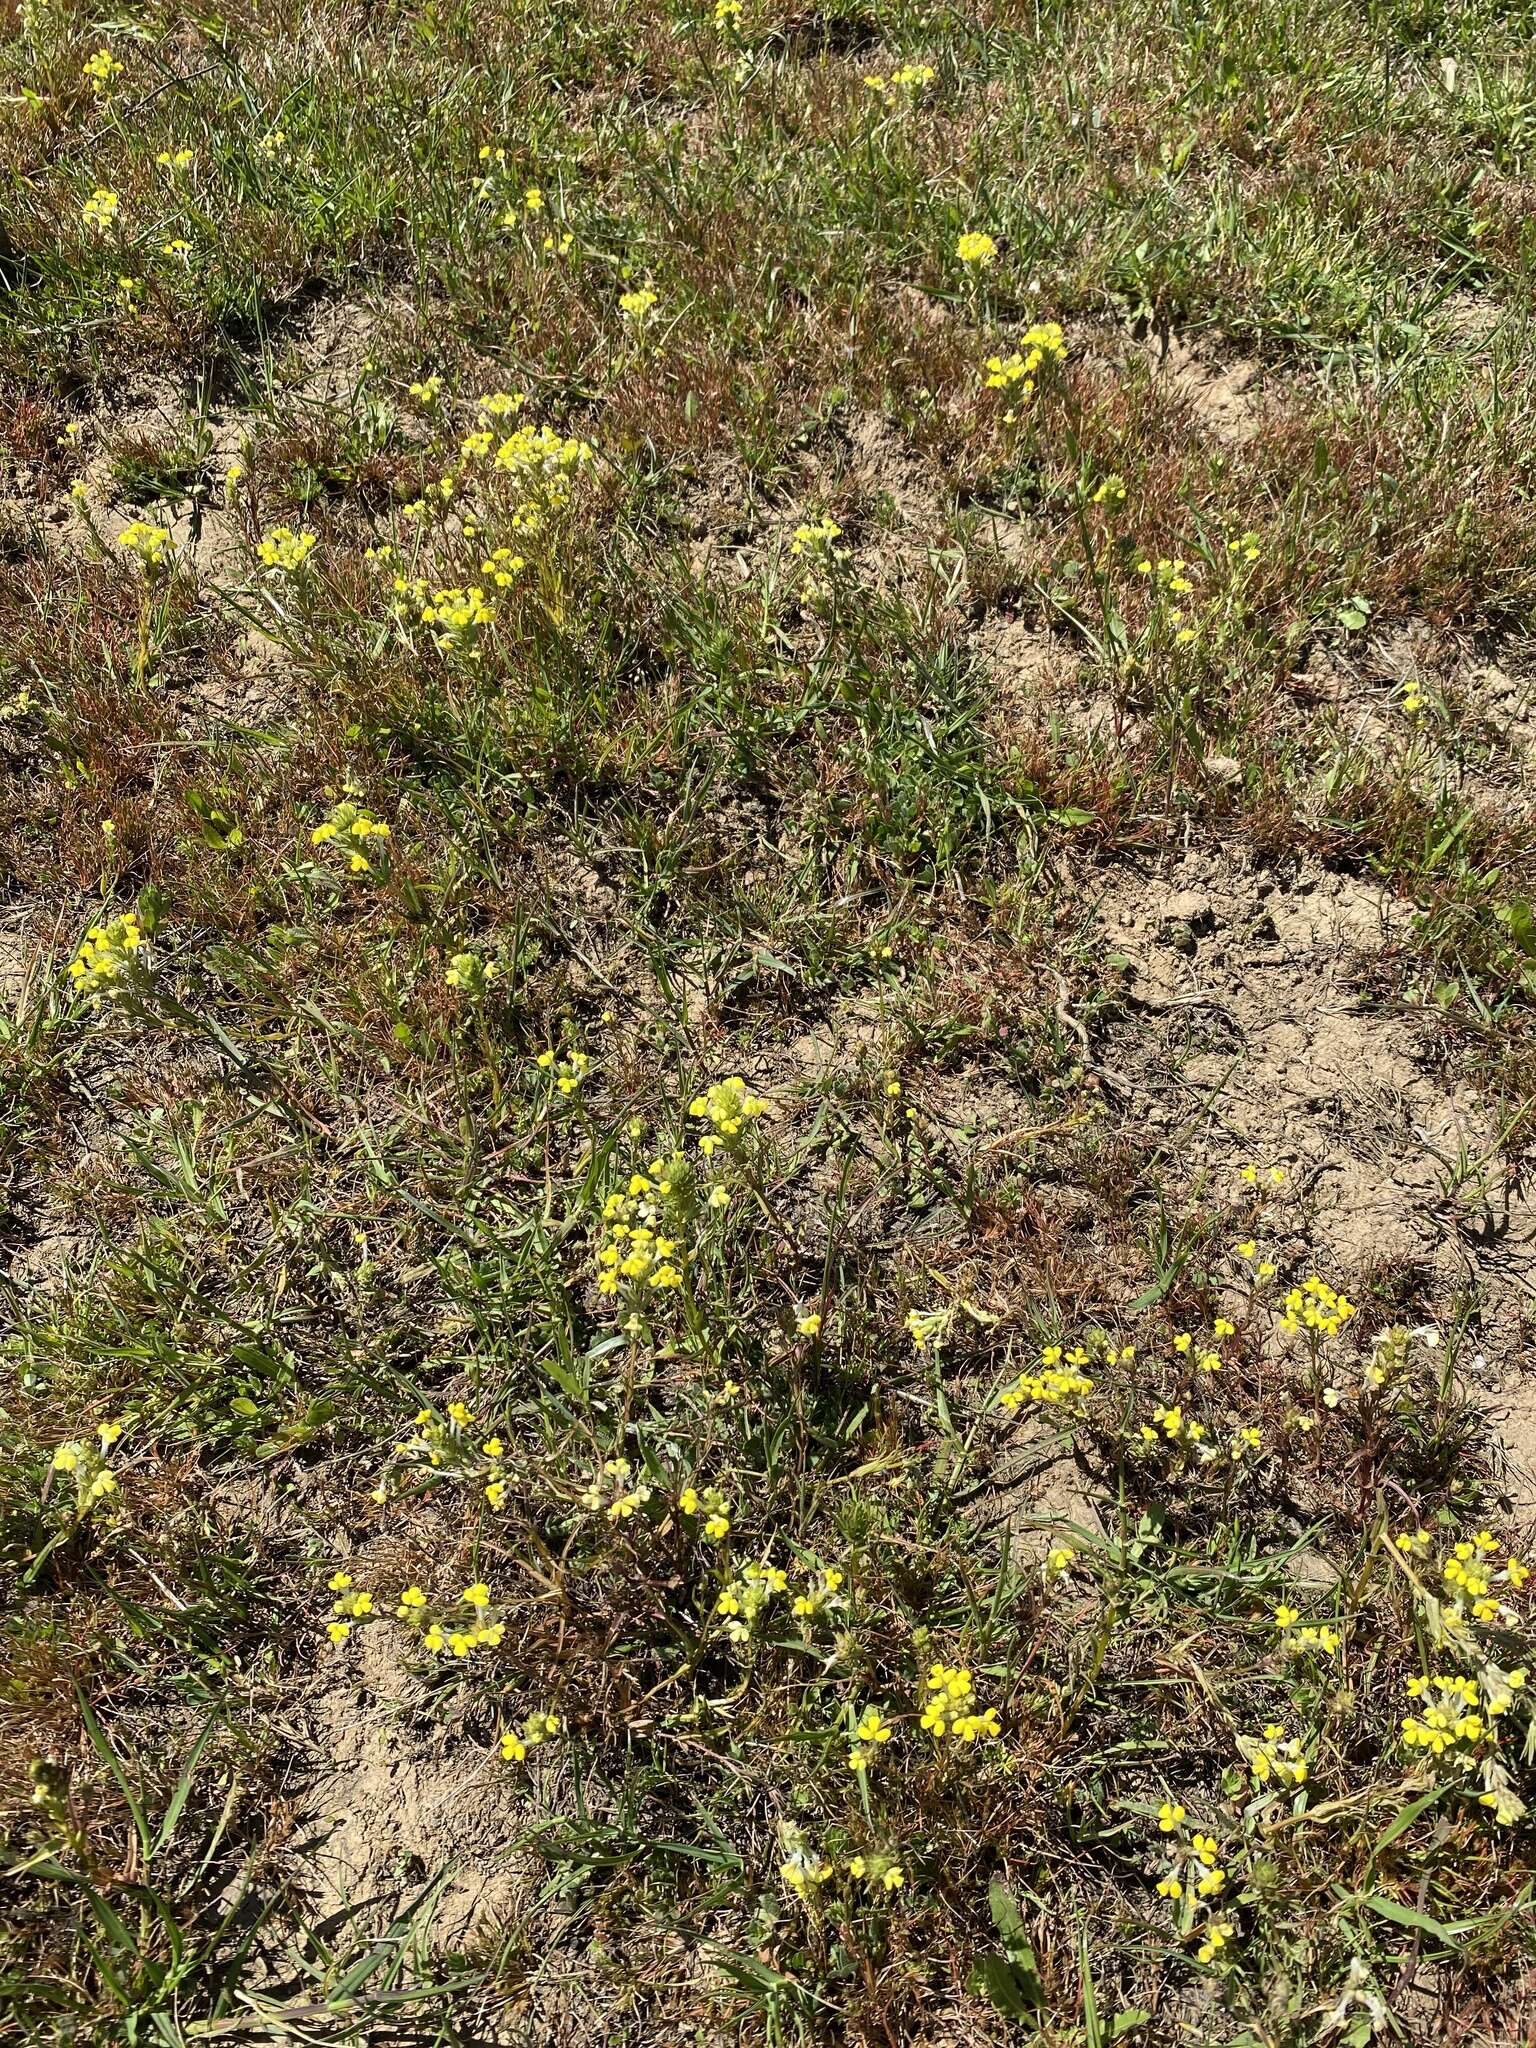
(1410,1916)
(1406,1818)
(994,1978)
(1093,2033)
(1009,1922)
(151,908)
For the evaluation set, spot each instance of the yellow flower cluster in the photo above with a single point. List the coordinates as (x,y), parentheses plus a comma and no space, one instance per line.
(1472,1577)
(85,1460)
(950,1712)
(1214,1938)
(523,210)
(352,1604)
(1170,1424)
(455,616)
(569,1072)
(151,543)
(816,545)
(540,1727)
(1275,1755)
(823,1589)
(743,1599)
(880,1873)
(805,1870)
(1170,581)
(502,566)
(99,70)
(637,306)
(107,957)
(1060,1380)
(1197,1870)
(1039,345)
(643,1225)
(1315,1307)
(1449,1720)
(284,549)
(728,1107)
(1169,575)
(907,79)
(871,1732)
(451,1446)
(541,465)
(468,1623)
(709,1508)
(471,974)
(929,1326)
(350,828)
(1206,1359)
(1050,1386)
(1456,1731)
(613,1495)
(1298,1638)
(976,249)
(100,211)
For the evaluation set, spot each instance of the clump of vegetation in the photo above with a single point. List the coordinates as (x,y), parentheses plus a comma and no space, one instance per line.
(653,1391)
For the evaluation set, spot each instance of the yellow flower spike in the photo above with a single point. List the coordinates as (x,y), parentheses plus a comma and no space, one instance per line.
(101,210)
(1217,1935)
(284,549)
(976,249)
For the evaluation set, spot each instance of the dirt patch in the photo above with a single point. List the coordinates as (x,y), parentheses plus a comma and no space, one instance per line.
(1039,1494)
(892,506)
(1511,1408)
(1245,1040)
(1222,391)
(388,1801)
(249,683)
(1036,680)
(897,486)
(334,344)
(28,937)
(1473,739)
